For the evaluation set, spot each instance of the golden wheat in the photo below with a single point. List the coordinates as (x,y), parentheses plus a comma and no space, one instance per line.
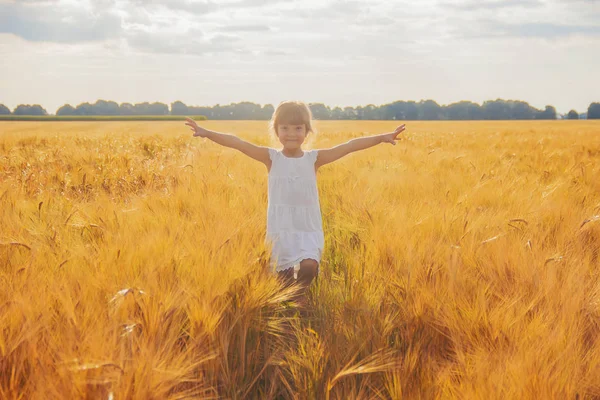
(461,263)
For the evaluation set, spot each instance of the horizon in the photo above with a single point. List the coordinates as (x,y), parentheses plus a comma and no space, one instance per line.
(205,53)
(558,112)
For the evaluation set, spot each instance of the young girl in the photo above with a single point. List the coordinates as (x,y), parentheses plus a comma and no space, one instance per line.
(294,224)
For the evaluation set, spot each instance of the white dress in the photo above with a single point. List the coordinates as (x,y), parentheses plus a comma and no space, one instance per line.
(294,224)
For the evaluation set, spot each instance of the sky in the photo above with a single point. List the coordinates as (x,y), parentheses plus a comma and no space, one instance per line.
(337,52)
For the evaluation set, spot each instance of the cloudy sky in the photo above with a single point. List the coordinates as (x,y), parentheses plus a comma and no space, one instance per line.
(339,52)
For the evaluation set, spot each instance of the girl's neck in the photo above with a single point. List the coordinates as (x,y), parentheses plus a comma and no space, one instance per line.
(292,153)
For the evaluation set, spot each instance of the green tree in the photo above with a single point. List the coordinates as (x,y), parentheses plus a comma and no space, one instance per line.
(496,110)
(400,110)
(146,108)
(84,109)
(126,109)
(572,115)
(430,110)
(593,111)
(548,113)
(246,110)
(371,112)
(157,108)
(179,108)
(4,110)
(522,110)
(320,111)
(463,110)
(208,112)
(67,109)
(349,113)
(103,107)
(393,110)
(337,113)
(26,109)
(267,111)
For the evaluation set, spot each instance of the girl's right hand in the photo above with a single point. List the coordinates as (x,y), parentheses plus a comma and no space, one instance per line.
(198,131)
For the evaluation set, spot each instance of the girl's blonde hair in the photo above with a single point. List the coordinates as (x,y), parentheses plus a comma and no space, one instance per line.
(291,113)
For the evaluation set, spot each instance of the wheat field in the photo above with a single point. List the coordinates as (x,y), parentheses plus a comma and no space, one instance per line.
(461,263)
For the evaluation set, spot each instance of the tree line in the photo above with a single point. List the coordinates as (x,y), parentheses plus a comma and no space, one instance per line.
(398,110)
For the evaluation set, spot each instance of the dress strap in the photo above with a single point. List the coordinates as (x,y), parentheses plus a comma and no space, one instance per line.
(311,155)
(273,154)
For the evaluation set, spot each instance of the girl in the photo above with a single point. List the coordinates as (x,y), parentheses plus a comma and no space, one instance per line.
(294,225)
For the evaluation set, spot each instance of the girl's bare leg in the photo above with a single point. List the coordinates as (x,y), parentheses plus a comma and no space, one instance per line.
(309,270)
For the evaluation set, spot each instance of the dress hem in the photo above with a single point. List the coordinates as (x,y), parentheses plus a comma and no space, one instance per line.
(291,264)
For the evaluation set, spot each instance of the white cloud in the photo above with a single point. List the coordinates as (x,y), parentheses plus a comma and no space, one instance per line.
(474,5)
(245,28)
(169,27)
(194,7)
(56,22)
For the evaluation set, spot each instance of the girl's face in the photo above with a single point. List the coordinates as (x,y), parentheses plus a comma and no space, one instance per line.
(291,136)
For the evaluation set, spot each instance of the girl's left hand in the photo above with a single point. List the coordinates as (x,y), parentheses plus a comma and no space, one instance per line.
(390,137)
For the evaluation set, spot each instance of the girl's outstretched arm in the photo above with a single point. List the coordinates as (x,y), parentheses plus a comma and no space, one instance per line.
(326,156)
(258,153)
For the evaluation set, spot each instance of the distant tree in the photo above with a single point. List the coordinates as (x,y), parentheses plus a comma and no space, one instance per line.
(496,109)
(26,109)
(411,111)
(337,113)
(360,112)
(223,112)
(368,112)
(463,110)
(146,108)
(126,109)
(457,111)
(393,110)
(84,109)
(572,115)
(157,108)
(179,108)
(103,107)
(206,111)
(400,110)
(267,111)
(522,110)
(246,110)
(593,111)
(349,113)
(371,112)
(430,110)
(320,111)
(548,113)
(67,109)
